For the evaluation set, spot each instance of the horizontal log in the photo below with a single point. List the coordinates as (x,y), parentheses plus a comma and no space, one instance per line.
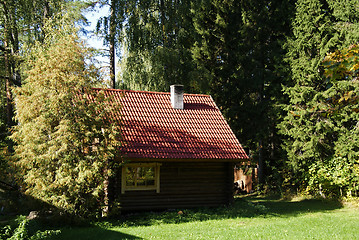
(169,202)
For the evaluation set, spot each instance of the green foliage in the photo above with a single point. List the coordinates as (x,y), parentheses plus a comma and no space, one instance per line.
(154,39)
(23,20)
(321,120)
(341,65)
(4,166)
(239,52)
(231,50)
(218,25)
(21,25)
(25,230)
(65,141)
(241,208)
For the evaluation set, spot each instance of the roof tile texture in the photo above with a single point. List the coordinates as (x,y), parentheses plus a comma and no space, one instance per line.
(152,129)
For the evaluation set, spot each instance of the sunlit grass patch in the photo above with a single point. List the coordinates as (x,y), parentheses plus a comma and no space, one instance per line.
(248,218)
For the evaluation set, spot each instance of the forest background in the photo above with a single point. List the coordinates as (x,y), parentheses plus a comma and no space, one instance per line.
(283,73)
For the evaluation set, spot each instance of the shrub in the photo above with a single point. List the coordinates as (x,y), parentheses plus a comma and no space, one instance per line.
(25,229)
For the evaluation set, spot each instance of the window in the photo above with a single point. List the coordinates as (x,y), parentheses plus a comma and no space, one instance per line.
(140,176)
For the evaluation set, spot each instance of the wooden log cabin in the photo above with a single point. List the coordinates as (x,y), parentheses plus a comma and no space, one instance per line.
(178,149)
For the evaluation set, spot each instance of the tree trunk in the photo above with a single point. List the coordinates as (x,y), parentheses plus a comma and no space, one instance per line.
(260,163)
(9,107)
(112,45)
(106,207)
(163,20)
(46,10)
(262,131)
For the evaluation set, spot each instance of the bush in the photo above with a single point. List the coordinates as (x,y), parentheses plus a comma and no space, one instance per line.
(25,229)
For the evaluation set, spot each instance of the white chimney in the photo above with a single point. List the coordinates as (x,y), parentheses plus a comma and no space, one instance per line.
(177,96)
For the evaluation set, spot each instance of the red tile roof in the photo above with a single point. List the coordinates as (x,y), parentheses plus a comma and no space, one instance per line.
(151,128)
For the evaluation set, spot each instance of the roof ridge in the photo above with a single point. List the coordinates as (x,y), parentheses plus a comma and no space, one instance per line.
(148,92)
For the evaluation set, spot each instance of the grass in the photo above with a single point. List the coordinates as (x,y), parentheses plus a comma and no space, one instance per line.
(247,218)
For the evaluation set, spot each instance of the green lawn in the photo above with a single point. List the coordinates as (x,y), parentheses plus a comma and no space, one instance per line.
(248,218)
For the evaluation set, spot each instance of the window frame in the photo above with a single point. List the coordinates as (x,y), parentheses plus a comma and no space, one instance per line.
(156,185)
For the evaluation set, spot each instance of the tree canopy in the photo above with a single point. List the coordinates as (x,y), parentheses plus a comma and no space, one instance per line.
(316,126)
(64,145)
(284,74)
(21,25)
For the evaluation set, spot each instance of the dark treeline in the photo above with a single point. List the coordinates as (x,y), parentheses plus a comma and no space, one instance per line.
(261,61)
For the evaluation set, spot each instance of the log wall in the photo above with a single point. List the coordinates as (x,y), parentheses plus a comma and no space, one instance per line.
(182,185)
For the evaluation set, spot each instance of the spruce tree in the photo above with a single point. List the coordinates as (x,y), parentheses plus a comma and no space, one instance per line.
(239,53)
(319,27)
(340,104)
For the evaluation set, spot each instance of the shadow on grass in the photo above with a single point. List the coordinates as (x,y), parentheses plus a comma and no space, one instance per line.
(245,207)
(14,207)
(286,208)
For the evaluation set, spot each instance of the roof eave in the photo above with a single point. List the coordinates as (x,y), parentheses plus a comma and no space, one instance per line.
(234,160)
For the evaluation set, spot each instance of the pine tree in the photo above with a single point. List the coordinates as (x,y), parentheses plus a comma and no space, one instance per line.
(110,29)
(64,146)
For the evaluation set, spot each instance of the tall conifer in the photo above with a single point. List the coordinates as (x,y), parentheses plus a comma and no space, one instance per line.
(319,27)
(239,51)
